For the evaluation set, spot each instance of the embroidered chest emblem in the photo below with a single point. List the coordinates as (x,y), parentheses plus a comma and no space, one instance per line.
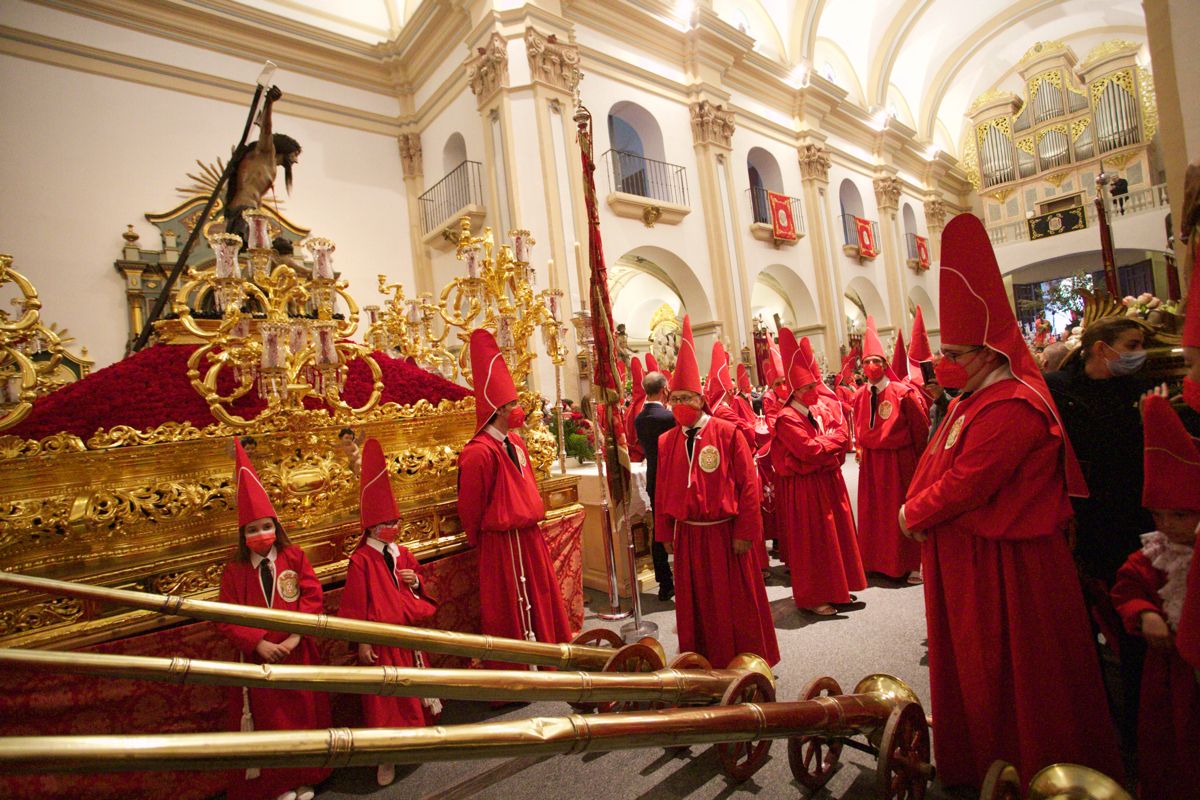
(885,409)
(710,458)
(955,430)
(521,457)
(288,584)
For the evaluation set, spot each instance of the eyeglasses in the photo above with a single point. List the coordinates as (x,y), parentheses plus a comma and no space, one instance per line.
(954,357)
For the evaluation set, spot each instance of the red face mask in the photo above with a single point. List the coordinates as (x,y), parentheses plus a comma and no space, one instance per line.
(386,534)
(874,372)
(685,415)
(516,418)
(782,392)
(1191,393)
(810,397)
(951,374)
(261,541)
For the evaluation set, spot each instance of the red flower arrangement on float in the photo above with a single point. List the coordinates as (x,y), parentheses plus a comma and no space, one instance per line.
(151,387)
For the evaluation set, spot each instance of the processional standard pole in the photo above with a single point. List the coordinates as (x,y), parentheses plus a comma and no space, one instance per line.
(264,81)
(1106,241)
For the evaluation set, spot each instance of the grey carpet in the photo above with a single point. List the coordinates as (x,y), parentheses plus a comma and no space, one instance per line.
(883,632)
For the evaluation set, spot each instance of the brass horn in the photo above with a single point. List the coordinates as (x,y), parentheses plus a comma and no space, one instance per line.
(743,727)
(674,686)
(471,645)
(1055,782)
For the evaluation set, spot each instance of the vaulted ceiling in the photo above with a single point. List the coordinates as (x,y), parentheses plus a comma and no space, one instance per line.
(923,60)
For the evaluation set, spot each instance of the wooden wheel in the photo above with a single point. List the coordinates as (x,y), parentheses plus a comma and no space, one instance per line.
(814,759)
(690,661)
(630,658)
(1002,783)
(740,760)
(599,637)
(904,771)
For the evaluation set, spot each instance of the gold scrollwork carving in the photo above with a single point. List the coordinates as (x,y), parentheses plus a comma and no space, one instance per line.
(1149,100)
(1025,144)
(187,582)
(1051,76)
(110,509)
(16,447)
(1079,126)
(52,612)
(125,436)
(1122,78)
(28,522)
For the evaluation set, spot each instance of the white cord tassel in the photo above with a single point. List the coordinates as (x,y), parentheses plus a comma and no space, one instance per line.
(247,727)
(432,703)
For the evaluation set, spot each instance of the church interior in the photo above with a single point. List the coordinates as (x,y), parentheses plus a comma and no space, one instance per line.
(619,193)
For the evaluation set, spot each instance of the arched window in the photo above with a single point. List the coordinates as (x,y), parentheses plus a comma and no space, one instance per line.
(852,206)
(454,153)
(637,156)
(764,177)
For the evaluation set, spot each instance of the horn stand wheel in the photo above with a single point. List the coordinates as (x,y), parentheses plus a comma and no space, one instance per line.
(599,637)
(690,660)
(740,760)
(643,656)
(814,759)
(904,771)
(1001,783)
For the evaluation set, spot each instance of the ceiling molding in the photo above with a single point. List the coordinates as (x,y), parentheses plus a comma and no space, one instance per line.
(880,72)
(803,36)
(72,55)
(229,27)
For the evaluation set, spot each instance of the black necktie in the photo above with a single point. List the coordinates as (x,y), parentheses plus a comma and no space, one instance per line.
(512,451)
(268,580)
(691,440)
(874,403)
(391,565)
(813,420)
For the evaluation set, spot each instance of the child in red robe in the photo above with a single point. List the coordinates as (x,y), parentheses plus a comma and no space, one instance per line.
(808,449)
(383,584)
(500,506)
(1149,594)
(270,572)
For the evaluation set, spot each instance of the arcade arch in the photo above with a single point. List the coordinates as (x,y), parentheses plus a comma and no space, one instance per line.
(454,152)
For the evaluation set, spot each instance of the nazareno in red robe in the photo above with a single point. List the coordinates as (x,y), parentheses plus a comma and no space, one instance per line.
(813,507)
(500,507)
(890,451)
(702,505)
(275,709)
(1012,667)
(1169,709)
(733,416)
(370,594)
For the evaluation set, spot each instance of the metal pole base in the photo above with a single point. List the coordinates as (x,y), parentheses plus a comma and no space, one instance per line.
(615,615)
(633,631)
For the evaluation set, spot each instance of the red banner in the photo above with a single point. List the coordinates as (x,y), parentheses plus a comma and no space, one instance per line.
(922,251)
(866,238)
(783,224)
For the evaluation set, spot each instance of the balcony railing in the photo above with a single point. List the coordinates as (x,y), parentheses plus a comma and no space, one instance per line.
(760,207)
(1138,201)
(633,173)
(462,187)
(850,232)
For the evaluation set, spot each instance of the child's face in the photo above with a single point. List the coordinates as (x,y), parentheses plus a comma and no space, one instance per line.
(1179,525)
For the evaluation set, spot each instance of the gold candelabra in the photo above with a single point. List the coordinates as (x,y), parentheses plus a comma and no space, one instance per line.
(497,293)
(277,334)
(23,338)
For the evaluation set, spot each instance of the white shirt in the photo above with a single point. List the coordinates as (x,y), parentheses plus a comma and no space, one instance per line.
(495,433)
(391,547)
(883,383)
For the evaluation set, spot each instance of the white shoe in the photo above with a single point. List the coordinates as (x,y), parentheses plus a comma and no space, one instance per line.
(288,795)
(385,774)
(305,793)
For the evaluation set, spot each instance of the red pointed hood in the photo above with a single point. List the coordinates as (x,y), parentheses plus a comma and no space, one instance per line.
(846,375)
(773,367)
(743,379)
(493,382)
(919,349)
(638,394)
(253,500)
(899,363)
(975,310)
(376,503)
(686,376)
(810,360)
(652,363)
(1172,463)
(714,387)
(795,366)
(871,346)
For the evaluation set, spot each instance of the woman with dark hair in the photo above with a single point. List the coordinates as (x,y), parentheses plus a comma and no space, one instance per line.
(1097,394)
(270,572)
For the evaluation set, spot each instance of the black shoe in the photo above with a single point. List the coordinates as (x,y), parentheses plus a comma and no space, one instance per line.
(665,593)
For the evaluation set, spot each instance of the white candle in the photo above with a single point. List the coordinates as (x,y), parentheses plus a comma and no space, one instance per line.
(471,256)
(259,232)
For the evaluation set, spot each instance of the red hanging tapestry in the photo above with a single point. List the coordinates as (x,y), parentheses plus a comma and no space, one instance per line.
(783,224)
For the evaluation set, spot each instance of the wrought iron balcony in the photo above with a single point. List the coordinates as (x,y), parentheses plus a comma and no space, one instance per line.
(450,197)
(853,244)
(633,173)
(760,207)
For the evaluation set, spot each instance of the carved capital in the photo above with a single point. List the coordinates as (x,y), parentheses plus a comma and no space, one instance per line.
(814,162)
(887,193)
(410,154)
(487,69)
(712,124)
(552,62)
(935,214)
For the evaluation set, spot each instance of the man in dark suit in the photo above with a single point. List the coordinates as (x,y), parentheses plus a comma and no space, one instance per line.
(654,420)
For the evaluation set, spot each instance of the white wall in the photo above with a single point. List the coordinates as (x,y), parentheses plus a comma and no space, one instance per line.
(84,155)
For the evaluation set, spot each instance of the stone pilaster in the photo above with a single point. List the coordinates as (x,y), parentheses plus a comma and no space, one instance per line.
(887,199)
(814,173)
